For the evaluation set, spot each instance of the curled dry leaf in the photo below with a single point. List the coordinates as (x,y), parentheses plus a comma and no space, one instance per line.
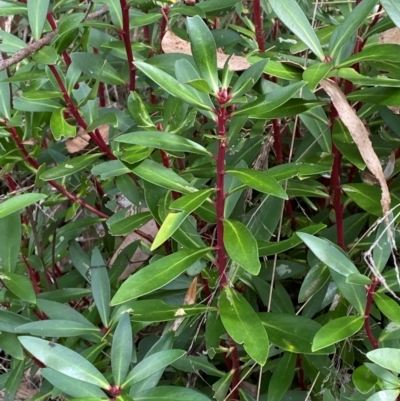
(82,139)
(360,136)
(173,44)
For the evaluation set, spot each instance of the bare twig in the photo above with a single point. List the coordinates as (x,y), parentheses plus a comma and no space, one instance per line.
(35,46)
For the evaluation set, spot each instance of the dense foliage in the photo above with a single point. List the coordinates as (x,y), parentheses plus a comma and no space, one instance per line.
(199,200)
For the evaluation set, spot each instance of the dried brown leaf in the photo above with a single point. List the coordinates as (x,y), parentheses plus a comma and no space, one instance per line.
(360,136)
(82,139)
(390,36)
(173,44)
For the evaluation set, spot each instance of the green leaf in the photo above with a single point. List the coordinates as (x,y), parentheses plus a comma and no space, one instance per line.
(386,358)
(189,203)
(13,382)
(162,140)
(72,387)
(37,12)
(58,328)
(121,349)
(314,281)
(221,386)
(100,286)
(196,363)
(385,395)
(292,333)
(269,101)
(329,254)
(19,285)
(364,379)
(63,360)
(5,96)
(46,55)
(290,13)
(129,224)
(356,18)
(365,196)
(358,278)
(16,203)
(59,126)
(151,364)
(204,50)
(171,393)
(243,325)
(337,330)
(282,376)
(388,307)
(241,246)
(10,241)
(138,111)
(110,168)
(315,73)
(259,181)
(11,8)
(392,7)
(69,167)
(94,66)
(157,274)
(154,310)
(383,245)
(270,248)
(171,223)
(9,321)
(172,86)
(164,177)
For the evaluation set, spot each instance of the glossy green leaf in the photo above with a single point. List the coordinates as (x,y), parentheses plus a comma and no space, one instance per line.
(389,307)
(337,330)
(5,96)
(197,363)
(121,349)
(221,386)
(382,246)
(129,224)
(282,376)
(151,364)
(63,360)
(315,73)
(314,281)
(37,12)
(241,246)
(19,285)
(392,7)
(154,310)
(164,177)
(386,358)
(16,203)
(292,333)
(157,274)
(329,254)
(13,382)
(94,66)
(269,101)
(243,325)
(69,167)
(171,85)
(58,328)
(138,111)
(10,241)
(165,393)
(110,168)
(100,286)
(356,18)
(189,203)
(270,248)
(259,181)
(290,13)
(365,196)
(11,346)
(204,50)
(162,140)
(168,228)
(72,387)
(358,278)
(364,379)
(59,126)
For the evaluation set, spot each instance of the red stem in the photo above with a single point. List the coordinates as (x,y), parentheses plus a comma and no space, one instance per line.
(367,323)
(257,15)
(236,371)
(164,21)
(32,275)
(127,42)
(300,373)
(222,118)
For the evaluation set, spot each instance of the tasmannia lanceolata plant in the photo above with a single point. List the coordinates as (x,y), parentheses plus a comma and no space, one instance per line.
(199,200)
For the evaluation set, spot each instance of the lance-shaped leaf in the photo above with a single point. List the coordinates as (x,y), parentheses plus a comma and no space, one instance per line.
(337,330)
(37,12)
(174,393)
(162,140)
(16,203)
(241,246)
(392,7)
(260,181)
(350,25)
(121,349)
(387,358)
(63,360)
(270,101)
(157,274)
(282,377)
(171,85)
(329,254)
(130,223)
(204,50)
(243,325)
(69,167)
(10,242)
(290,13)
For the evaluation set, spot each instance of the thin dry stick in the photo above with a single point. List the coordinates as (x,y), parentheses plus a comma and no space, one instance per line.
(35,46)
